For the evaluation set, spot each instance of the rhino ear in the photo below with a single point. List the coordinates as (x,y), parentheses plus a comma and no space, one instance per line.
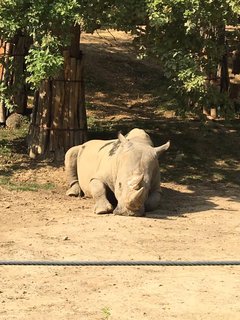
(161,149)
(121,138)
(124,142)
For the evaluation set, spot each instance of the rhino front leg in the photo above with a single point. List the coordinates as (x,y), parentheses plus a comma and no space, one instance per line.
(98,191)
(71,171)
(153,201)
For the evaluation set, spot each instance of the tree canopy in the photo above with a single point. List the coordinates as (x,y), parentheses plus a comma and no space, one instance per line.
(186,36)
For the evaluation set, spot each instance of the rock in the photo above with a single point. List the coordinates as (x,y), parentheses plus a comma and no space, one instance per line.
(15,121)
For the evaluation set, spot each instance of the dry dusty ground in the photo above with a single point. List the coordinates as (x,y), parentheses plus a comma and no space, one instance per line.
(201,223)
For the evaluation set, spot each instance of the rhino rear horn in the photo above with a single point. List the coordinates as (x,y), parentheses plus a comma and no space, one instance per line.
(135,182)
(159,150)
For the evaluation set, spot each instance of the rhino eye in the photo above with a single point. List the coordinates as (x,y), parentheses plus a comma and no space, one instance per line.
(120,185)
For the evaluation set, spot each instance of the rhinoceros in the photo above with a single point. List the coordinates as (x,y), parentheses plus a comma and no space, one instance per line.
(126,167)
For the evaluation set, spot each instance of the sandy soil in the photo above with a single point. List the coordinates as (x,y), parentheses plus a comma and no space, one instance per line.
(197,222)
(201,222)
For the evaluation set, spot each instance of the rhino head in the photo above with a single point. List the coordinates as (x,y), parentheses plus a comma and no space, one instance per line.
(137,168)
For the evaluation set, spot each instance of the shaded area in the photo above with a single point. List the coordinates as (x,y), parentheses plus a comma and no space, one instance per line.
(199,152)
(14,161)
(179,203)
(123,93)
(118,84)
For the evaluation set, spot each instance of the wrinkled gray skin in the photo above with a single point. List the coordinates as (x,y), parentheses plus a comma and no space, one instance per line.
(128,166)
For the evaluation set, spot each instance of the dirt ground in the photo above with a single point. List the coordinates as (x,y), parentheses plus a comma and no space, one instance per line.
(198,220)
(200,223)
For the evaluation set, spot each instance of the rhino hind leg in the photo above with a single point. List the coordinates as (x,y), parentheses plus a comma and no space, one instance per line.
(74,190)
(99,194)
(71,171)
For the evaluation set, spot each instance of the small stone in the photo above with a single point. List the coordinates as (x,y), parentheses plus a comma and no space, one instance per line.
(15,120)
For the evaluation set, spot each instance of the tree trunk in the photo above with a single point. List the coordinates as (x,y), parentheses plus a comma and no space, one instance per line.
(224,74)
(20,50)
(5,52)
(2,107)
(14,78)
(59,116)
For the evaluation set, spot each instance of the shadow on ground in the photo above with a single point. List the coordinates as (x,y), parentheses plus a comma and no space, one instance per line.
(119,85)
(14,161)
(199,152)
(178,203)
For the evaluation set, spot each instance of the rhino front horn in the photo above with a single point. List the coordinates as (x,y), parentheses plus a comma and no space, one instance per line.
(135,199)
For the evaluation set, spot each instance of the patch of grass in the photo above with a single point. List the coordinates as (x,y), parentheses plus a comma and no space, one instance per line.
(24,186)
(11,134)
(106,313)
(190,179)
(4,180)
(5,149)
(95,125)
(10,138)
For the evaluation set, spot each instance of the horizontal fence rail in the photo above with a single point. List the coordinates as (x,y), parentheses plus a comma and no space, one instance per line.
(120,263)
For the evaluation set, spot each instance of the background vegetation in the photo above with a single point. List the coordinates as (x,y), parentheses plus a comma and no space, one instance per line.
(177,58)
(188,38)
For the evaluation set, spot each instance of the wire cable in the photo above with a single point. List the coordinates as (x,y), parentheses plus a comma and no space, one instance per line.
(122,263)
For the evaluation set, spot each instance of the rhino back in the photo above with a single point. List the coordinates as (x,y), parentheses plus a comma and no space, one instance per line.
(94,161)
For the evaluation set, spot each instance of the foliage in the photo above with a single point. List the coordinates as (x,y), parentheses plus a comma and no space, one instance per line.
(186,36)
(48,23)
(5,95)
(43,60)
